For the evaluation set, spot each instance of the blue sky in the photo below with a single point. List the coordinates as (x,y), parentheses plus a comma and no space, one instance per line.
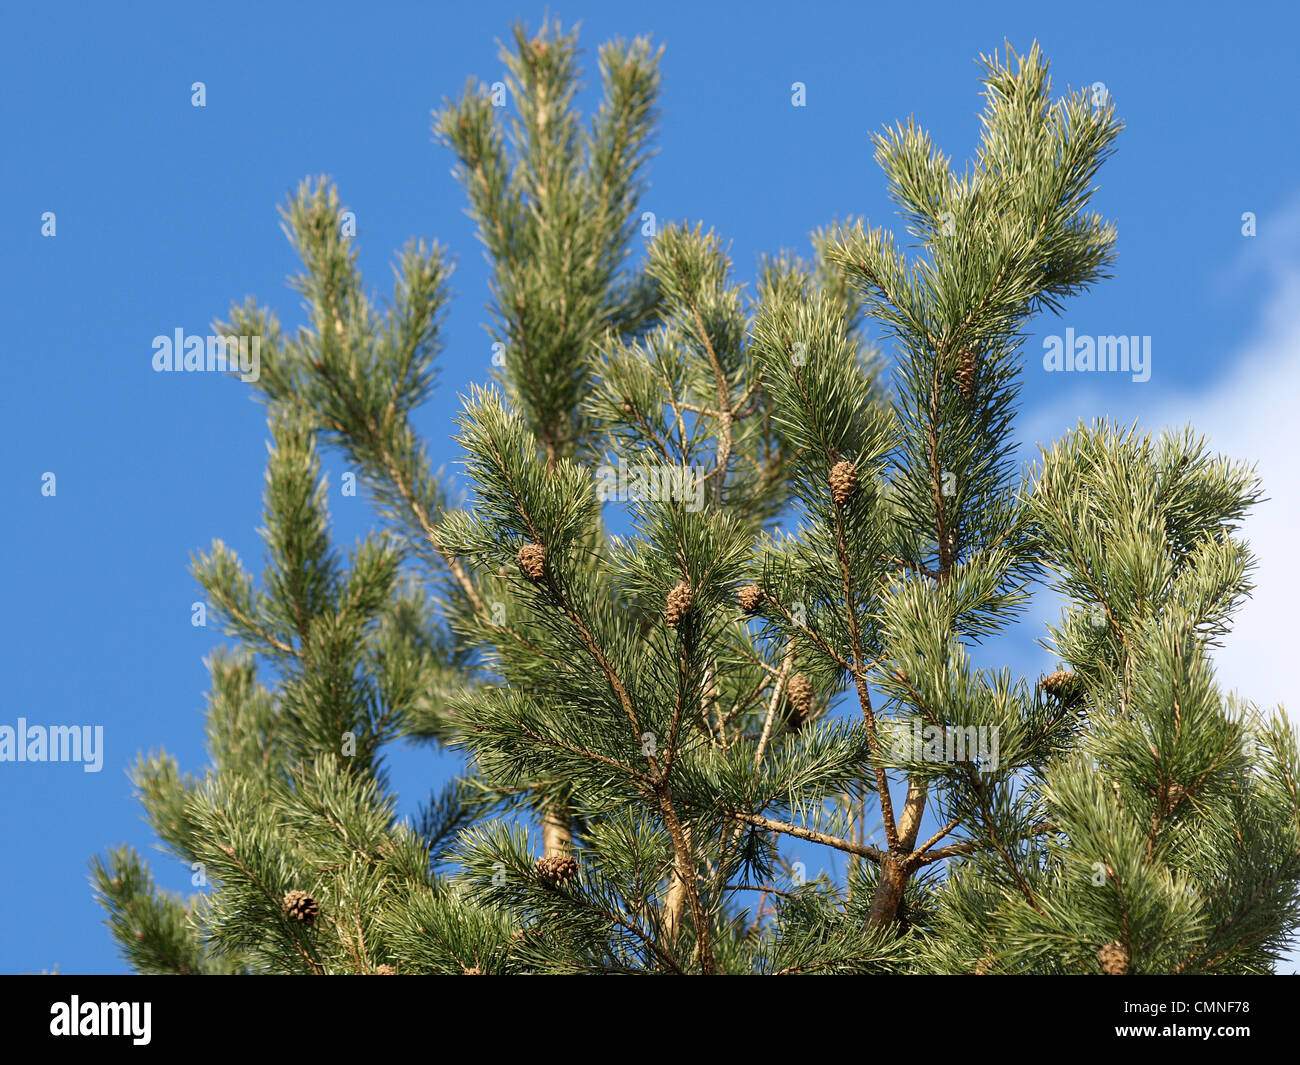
(166,215)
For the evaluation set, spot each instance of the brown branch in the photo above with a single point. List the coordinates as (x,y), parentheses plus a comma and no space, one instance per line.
(955,850)
(766,889)
(862,850)
(684,869)
(909,824)
(860,683)
(954,823)
(777,688)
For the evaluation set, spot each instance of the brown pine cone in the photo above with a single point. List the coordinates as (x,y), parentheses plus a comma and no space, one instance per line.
(678,603)
(749,597)
(299,906)
(557,869)
(843,481)
(532,560)
(966,363)
(1064,685)
(801,694)
(1114,959)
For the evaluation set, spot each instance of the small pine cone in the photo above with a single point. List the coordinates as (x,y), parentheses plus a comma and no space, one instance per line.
(1114,959)
(801,696)
(966,372)
(749,597)
(680,598)
(1063,684)
(557,869)
(843,482)
(532,560)
(385,970)
(299,906)
(984,967)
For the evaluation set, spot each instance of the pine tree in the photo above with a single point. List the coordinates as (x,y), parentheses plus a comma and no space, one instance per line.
(776,653)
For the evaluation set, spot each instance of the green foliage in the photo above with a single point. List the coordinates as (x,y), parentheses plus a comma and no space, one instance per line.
(554,203)
(705,710)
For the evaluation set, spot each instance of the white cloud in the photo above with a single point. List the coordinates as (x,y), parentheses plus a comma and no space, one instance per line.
(1249,413)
